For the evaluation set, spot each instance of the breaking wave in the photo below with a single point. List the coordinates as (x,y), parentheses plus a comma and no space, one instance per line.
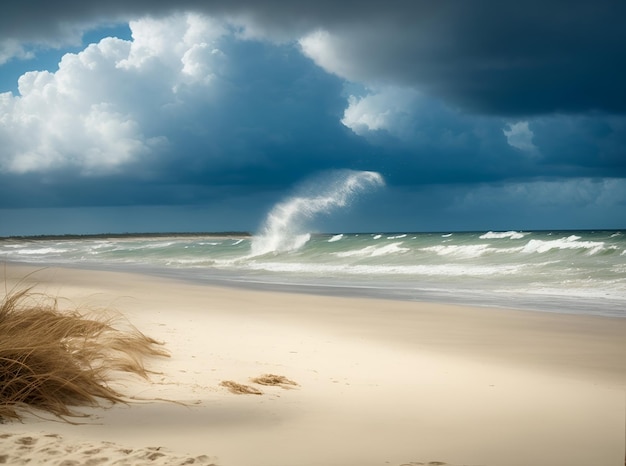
(374,251)
(570,242)
(287,224)
(502,235)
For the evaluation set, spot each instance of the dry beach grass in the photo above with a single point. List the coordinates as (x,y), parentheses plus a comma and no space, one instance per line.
(53,360)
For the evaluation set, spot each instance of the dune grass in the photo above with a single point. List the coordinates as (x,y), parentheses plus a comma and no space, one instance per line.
(54,360)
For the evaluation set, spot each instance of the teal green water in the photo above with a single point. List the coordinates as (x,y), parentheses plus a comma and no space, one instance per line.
(569,271)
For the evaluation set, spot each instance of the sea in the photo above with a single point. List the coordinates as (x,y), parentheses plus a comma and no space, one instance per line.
(582,272)
(578,272)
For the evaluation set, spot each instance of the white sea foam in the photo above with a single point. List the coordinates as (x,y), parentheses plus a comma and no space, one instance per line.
(146,245)
(335,238)
(102,245)
(40,251)
(160,244)
(460,251)
(374,251)
(441,270)
(377,236)
(397,236)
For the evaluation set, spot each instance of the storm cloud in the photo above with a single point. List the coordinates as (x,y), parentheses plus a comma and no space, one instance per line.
(470,111)
(505,58)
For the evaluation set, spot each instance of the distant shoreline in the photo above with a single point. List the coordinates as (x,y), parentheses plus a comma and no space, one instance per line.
(72,236)
(217,234)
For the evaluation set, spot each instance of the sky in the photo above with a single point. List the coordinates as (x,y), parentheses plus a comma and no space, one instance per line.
(200,115)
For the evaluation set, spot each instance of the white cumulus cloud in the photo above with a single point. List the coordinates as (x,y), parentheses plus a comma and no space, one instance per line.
(97,112)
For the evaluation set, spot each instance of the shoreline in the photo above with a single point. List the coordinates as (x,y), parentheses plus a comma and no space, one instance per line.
(532,302)
(379,381)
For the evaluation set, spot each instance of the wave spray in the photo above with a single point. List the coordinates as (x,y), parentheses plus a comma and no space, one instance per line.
(285,228)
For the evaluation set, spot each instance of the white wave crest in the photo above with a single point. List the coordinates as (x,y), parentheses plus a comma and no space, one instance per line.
(465,252)
(335,238)
(374,251)
(571,242)
(502,235)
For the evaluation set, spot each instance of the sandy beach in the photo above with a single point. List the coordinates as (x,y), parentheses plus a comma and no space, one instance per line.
(366,382)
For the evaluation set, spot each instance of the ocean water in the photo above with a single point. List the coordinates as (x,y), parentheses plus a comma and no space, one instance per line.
(562,271)
(556,271)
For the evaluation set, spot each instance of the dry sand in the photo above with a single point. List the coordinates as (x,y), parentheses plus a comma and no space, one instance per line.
(357,382)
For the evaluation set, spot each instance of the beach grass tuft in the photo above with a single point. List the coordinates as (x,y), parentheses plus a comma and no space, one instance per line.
(54,360)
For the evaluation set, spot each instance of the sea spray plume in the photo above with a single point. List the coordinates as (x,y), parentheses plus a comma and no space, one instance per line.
(285,226)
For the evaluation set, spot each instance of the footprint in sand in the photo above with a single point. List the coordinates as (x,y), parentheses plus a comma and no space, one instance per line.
(53,450)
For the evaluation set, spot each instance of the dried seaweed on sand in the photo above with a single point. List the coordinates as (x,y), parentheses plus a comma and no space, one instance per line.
(240,389)
(274,380)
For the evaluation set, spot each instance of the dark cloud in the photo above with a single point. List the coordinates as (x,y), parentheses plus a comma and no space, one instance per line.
(504,58)
(275,118)
(592,145)
(196,118)
(272,117)
(426,142)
